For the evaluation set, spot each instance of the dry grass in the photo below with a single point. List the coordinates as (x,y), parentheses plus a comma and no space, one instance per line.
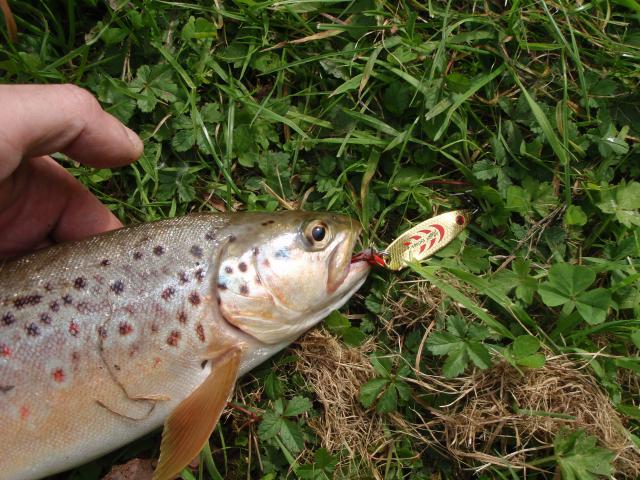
(501,416)
(335,372)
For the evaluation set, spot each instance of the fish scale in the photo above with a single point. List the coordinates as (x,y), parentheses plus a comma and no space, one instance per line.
(102,340)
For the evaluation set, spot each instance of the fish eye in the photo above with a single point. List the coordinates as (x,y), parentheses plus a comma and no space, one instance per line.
(317,234)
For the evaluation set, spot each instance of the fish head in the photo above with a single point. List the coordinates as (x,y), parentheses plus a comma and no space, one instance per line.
(284,272)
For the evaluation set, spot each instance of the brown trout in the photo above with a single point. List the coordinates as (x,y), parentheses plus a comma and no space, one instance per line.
(105,339)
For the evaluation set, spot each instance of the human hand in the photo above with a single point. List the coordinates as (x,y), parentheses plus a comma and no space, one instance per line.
(40,202)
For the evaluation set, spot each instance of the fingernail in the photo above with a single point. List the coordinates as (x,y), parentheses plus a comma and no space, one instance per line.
(135,140)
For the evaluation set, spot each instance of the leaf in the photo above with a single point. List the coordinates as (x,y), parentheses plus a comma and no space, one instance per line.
(575,216)
(270,425)
(479,355)
(183,140)
(441,343)
(370,391)
(579,458)
(635,338)
(525,345)
(292,436)
(537,360)
(297,406)
(593,305)
(388,400)
(622,201)
(456,362)
(565,281)
(273,386)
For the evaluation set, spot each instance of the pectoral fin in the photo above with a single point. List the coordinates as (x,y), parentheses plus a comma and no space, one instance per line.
(190,425)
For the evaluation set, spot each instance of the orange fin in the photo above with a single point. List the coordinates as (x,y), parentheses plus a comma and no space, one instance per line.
(12,29)
(190,425)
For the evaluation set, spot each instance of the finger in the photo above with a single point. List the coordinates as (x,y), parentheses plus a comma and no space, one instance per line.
(45,202)
(42,119)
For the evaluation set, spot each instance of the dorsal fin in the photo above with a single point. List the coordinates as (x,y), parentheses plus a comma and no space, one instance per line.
(190,425)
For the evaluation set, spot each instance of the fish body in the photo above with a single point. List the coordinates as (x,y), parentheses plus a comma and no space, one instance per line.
(104,340)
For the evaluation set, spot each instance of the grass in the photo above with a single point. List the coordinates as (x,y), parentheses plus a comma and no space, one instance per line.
(386,111)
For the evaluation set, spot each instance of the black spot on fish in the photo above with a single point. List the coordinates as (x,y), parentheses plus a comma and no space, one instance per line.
(242,267)
(232,238)
(167,293)
(102,332)
(222,286)
(67,299)
(27,300)
(8,318)
(83,308)
(210,235)
(200,332)
(199,275)
(282,253)
(182,316)
(228,269)
(203,364)
(196,251)
(268,222)
(117,287)
(45,318)
(256,251)
(218,299)
(183,278)
(54,306)
(8,388)
(137,255)
(258,281)
(158,250)
(244,290)
(79,283)
(105,263)
(33,330)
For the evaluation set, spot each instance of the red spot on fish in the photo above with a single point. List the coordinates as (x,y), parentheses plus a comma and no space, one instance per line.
(74,328)
(58,375)
(156,361)
(158,250)
(242,266)
(79,283)
(194,299)
(154,327)
(460,220)
(167,293)
(182,316)
(24,412)
(173,338)
(266,262)
(200,332)
(125,328)
(5,351)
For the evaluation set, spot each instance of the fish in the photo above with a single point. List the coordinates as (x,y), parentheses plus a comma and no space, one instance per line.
(106,339)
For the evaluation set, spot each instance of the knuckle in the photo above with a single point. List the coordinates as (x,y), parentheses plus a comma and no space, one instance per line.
(81,100)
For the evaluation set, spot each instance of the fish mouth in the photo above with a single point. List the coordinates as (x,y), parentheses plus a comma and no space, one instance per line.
(346,268)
